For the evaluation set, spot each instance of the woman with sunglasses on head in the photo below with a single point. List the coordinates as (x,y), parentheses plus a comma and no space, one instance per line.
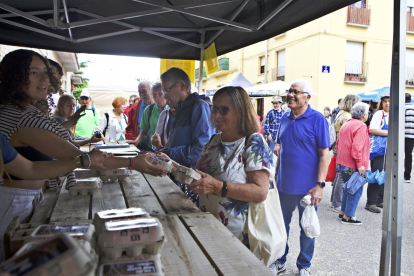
(236,164)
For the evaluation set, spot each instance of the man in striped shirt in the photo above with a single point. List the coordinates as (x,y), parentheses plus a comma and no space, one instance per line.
(272,122)
(409,137)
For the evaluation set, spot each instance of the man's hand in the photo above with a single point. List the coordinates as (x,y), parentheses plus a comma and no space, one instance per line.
(156,141)
(316,194)
(361,170)
(277,150)
(94,139)
(269,137)
(97,159)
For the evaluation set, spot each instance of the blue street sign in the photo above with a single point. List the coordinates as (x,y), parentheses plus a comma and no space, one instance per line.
(326,69)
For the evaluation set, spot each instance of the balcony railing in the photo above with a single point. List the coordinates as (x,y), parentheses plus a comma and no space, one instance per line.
(197,73)
(356,71)
(409,76)
(358,16)
(410,23)
(223,64)
(278,73)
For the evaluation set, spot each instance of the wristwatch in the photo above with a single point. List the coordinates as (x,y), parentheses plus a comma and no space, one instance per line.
(224,189)
(321,184)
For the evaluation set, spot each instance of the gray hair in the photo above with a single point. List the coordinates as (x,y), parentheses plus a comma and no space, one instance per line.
(359,109)
(157,85)
(174,75)
(307,86)
(348,102)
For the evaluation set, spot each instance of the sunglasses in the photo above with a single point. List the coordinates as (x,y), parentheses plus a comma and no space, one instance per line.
(167,91)
(223,110)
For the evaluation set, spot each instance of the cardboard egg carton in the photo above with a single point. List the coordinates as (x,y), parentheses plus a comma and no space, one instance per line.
(60,255)
(116,215)
(86,173)
(186,175)
(134,237)
(162,163)
(114,175)
(144,264)
(86,186)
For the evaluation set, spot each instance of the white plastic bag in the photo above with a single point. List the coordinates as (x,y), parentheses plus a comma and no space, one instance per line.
(266,228)
(310,222)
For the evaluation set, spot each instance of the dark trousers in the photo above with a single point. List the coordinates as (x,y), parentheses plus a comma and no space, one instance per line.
(409,145)
(375,192)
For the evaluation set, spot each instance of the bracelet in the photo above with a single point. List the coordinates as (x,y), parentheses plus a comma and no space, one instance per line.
(89,159)
(224,189)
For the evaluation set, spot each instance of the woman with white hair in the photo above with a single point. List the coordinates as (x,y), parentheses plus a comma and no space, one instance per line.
(353,155)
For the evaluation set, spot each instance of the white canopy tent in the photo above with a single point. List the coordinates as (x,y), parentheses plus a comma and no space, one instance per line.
(239,80)
(276,88)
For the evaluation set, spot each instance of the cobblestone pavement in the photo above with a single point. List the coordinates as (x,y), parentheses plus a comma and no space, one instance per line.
(352,250)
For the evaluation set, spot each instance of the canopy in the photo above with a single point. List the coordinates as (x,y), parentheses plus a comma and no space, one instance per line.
(269,89)
(374,95)
(173,29)
(239,80)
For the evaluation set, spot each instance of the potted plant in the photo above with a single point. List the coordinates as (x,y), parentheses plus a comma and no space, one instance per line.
(411,82)
(407,82)
(347,77)
(362,78)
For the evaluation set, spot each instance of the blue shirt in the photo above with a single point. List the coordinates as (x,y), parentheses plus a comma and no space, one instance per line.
(272,123)
(7,151)
(300,140)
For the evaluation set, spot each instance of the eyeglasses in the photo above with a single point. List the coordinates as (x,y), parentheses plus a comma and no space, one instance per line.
(223,110)
(167,91)
(295,92)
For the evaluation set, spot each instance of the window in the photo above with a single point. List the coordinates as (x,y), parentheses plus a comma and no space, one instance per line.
(262,65)
(260,108)
(355,67)
(281,60)
(409,63)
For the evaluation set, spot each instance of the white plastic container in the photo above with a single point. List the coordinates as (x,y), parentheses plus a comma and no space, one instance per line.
(186,175)
(86,186)
(60,255)
(135,237)
(85,173)
(114,174)
(117,215)
(145,264)
(162,163)
(79,231)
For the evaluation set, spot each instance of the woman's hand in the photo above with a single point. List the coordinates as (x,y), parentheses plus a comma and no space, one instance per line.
(97,159)
(140,164)
(206,185)
(75,117)
(94,139)
(361,170)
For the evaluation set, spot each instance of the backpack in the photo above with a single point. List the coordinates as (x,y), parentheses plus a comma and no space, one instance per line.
(107,121)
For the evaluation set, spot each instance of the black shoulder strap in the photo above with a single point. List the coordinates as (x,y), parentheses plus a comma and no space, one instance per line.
(125,118)
(107,122)
(151,107)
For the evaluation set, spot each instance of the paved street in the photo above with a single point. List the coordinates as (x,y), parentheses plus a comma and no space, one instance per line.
(352,250)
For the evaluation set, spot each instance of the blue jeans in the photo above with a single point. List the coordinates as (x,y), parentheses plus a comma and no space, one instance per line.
(271,145)
(307,245)
(350,202)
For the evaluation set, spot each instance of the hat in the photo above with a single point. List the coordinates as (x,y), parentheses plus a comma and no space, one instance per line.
(385,96)
(277,99)
(85,93)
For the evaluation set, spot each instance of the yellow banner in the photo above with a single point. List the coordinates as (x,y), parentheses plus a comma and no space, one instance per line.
(187,66)
(210,58)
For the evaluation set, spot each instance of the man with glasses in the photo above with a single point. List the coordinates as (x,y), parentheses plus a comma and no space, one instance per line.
(302,165)
(136,112)
(272,122)
(191,128)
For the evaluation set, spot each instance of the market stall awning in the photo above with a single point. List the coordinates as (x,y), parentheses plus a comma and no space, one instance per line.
(374,95)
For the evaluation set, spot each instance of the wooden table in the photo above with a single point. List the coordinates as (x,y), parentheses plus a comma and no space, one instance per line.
(196,243)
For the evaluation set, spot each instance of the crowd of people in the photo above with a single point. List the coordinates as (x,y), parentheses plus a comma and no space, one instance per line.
(219,138)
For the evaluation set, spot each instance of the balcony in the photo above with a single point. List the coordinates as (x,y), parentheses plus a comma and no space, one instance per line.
(410,23)
(223,67)
(278,73)
(356,72)
(197,73)
(359,17)
(409,77)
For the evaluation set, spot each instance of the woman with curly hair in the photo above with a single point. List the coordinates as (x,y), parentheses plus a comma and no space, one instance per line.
(237,164)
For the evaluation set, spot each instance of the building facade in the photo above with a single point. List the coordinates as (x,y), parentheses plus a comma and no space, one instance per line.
(345,52)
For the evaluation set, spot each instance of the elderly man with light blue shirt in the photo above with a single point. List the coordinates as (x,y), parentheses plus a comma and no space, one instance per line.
(302,165)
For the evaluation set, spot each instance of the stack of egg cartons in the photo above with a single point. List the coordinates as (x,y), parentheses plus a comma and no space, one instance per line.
(55,250)
(130,242)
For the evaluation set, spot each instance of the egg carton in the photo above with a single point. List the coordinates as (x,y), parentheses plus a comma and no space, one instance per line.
(162,163)
(116,215)
(86,186)
(79,231)
(134,237)
(114,175)
(60,255)
(186,175)
(86,173)
(145,264)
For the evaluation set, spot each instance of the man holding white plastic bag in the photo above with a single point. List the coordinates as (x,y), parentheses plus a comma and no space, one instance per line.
(302,165)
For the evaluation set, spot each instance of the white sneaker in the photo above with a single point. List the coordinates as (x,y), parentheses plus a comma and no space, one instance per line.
(304,271)
(336,209)
(407,180)
(277,267)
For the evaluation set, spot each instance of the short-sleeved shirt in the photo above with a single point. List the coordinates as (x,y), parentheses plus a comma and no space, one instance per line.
(215,154)
(86,124)
(153,121)
(378,118)
(300,140)
(61,120)
(7,151)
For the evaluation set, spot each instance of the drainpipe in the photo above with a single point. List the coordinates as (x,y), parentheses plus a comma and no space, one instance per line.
(265,69)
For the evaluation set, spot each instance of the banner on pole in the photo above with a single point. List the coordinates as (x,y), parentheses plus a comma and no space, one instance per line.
(210,58)
(187,66)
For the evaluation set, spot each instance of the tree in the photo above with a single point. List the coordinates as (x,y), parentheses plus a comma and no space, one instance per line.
(79,87)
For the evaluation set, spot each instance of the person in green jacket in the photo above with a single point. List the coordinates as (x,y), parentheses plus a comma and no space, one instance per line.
(86,124)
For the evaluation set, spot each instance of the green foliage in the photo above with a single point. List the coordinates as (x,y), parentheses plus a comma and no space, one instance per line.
(79,87)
